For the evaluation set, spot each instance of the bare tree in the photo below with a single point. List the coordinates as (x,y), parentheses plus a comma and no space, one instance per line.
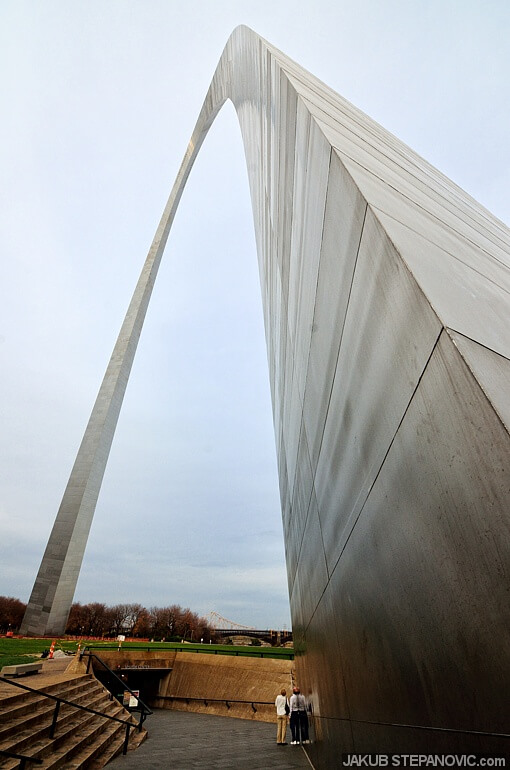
(11,613)
(135,620)
(123,618)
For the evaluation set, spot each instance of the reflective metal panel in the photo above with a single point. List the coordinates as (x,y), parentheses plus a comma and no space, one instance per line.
(389,333)
(468,287)
(321,677)
(490,369)
(421,600)
(303,488)
(343,220)
(311,574)
(400,170)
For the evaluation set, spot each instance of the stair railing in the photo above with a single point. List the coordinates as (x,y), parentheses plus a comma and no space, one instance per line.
(227,701)
(129,725)
(144,709)
(23,757)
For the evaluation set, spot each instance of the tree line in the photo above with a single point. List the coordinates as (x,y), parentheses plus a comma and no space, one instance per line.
(97,619)
(11,613)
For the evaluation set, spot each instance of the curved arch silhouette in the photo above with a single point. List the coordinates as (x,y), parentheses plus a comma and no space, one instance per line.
(385,292)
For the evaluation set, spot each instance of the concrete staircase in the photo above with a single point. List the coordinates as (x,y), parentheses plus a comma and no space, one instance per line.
(81,739)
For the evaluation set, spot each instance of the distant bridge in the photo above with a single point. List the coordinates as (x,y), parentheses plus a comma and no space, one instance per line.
(269,635)
(224,627)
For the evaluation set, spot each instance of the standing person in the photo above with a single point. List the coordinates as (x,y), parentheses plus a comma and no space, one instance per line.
(294,716)
(282,709)
(303,718)
(298,718)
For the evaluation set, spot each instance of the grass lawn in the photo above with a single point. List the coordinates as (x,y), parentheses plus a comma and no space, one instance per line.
(13,651)
(251,651)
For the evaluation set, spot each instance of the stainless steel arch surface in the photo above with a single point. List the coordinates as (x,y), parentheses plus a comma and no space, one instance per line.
(386,303)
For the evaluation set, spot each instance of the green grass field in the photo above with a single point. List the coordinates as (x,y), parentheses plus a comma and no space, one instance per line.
(284,653)
(14,651)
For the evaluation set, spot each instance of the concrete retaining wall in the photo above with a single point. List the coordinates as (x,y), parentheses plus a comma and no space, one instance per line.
(206,683)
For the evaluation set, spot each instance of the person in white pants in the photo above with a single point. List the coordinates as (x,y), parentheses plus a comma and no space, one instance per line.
(282,706)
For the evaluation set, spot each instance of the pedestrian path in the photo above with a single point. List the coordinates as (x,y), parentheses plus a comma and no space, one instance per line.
(53,671)
(185,741)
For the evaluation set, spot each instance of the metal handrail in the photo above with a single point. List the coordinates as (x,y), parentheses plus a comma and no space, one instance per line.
(59,700)
(144,710)
(227,701)
(24,758)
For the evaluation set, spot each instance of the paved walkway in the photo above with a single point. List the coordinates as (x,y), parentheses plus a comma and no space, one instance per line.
(53,671)
(181,740)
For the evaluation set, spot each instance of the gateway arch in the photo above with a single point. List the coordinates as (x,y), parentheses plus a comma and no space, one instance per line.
(385,291)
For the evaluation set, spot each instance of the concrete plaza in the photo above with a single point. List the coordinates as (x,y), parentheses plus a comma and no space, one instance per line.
(185,741)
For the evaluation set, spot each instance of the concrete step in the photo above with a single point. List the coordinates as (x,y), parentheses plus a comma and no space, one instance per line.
(69,718)
(10,764)
(112,741)
(86,742)
(38,709)
(82,739)
(23,701)
(38,720)
(116,747)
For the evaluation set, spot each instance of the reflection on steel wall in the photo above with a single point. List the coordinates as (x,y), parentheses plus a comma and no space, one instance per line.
(385,292)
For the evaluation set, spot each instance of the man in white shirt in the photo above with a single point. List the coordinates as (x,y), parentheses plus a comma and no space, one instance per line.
(298,718)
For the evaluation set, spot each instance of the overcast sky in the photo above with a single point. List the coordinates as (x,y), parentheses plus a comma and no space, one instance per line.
(98,100)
